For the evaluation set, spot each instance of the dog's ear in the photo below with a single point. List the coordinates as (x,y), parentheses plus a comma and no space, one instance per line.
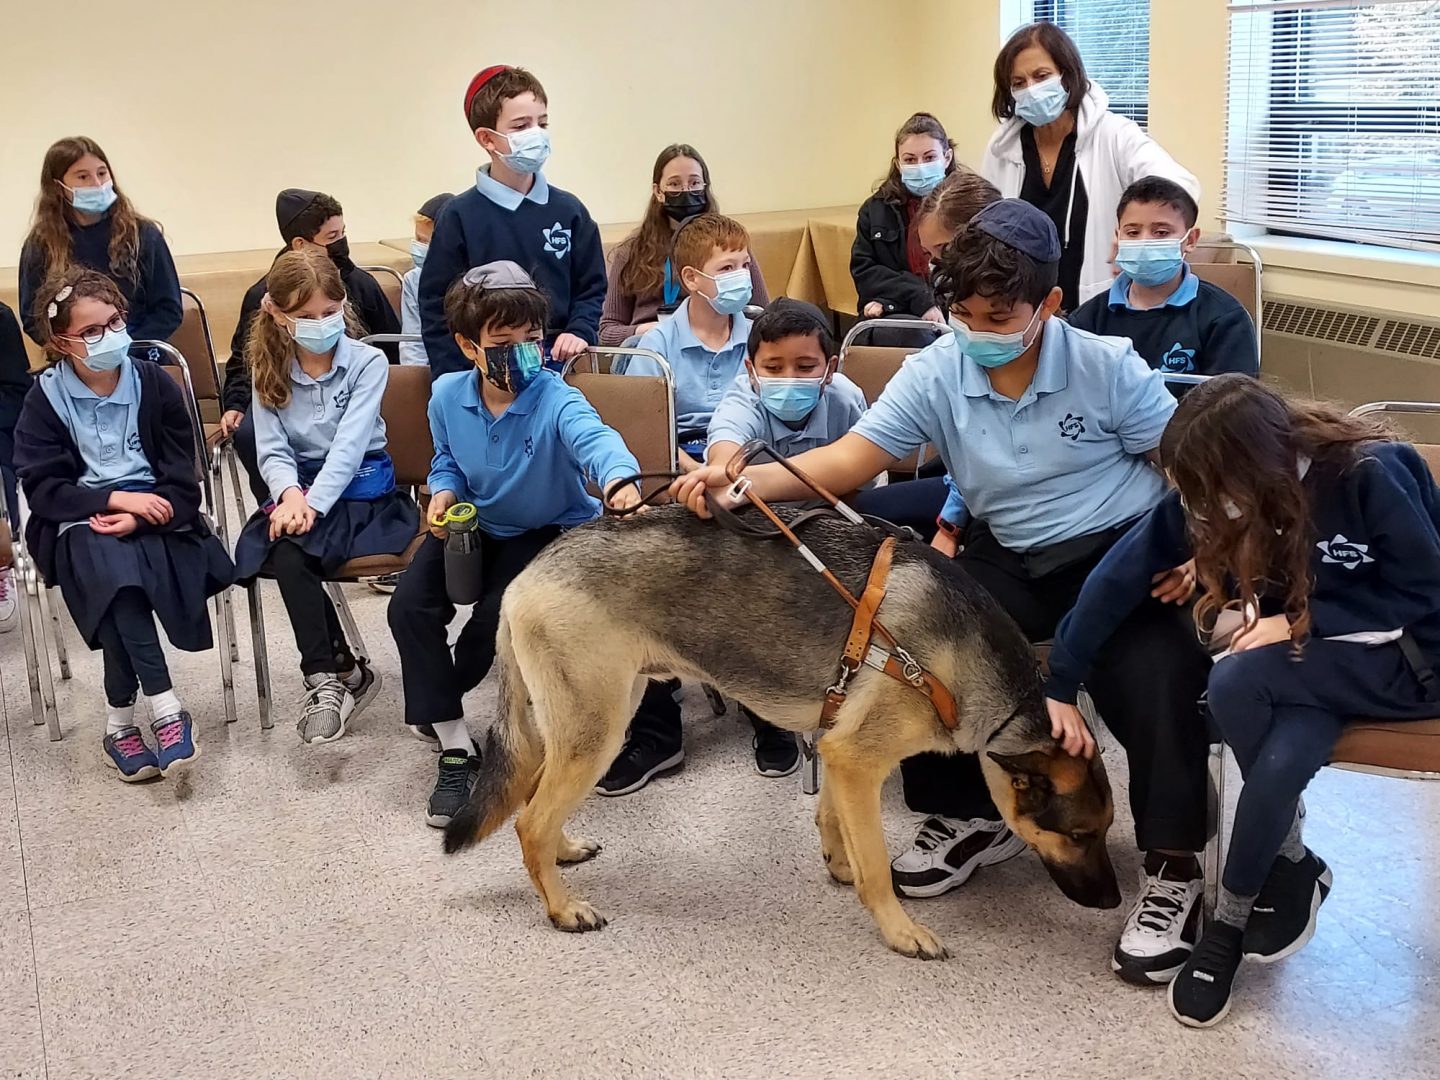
(1027,770)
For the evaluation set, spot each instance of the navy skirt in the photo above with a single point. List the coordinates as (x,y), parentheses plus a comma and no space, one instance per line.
(352,529)
(177,572)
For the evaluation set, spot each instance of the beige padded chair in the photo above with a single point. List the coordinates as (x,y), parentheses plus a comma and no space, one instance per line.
(1236,268)
(870,367)
(641,408)
(391,281)
(405,409)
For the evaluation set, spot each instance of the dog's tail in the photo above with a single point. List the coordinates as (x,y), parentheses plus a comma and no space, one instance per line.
(510,761)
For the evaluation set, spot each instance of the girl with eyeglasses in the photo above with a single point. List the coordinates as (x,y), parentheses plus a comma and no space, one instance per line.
(643,284)
(321,445)
(82,217)
(105,451)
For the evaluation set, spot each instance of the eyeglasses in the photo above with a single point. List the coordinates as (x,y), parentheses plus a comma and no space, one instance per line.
(674,187)
(94,334)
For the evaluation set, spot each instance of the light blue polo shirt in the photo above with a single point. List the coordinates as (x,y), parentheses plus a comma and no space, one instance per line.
(527,468)
(701,377)
(506,197)
(106,430)
(1184,293)
(1063,461)
(740,417)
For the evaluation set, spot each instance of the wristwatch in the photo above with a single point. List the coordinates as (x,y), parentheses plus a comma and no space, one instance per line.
(949,528)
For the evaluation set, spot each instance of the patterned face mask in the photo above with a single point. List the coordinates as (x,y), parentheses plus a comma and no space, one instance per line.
(515,366)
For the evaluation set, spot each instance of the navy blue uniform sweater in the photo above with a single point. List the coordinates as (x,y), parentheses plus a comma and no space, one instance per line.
(555,242)
(15,381)
(50,465)
(153,298)
(1210,335)
(1375,560)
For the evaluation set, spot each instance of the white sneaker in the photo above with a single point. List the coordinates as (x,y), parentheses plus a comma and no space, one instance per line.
(947,851)
(9,606)
(325,709)
(1161,931)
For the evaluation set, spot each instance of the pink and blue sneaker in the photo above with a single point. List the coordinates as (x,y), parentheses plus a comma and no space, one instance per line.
(126,752)
(175,746)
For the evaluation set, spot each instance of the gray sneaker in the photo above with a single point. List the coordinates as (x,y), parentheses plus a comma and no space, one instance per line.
(325,709)
(366,690)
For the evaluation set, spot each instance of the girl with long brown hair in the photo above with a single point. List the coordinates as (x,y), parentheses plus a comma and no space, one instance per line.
(642,283)
(321,443)
(105,452)
(1322,533)
(82,217)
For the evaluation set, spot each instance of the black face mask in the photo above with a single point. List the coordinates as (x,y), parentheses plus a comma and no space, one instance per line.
(339,252)
(680,205)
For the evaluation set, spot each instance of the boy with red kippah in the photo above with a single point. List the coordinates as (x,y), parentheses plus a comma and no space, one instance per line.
(513,214)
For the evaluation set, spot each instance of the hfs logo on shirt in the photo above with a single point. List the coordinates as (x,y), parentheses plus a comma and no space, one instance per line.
(1178,359)
(557,239)
(1343,552)
(1072,427)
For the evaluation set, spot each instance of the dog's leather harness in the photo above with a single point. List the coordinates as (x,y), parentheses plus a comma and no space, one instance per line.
(861,649)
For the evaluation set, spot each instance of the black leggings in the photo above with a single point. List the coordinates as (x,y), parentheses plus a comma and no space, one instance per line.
(318,636)
(131,650)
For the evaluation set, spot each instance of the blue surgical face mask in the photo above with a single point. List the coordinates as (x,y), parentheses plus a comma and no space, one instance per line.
(922,178)
(991,350)
(732,290)
(319,335)
(529,149)
(515,366)
(418,251)
(1043,102)
(1150,262)
(791,400)
(109,352)
(93,200)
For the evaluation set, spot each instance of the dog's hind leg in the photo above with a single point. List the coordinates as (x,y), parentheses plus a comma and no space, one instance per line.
(832,840)
(855,781)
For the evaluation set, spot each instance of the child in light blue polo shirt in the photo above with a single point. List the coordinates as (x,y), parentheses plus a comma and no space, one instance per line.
(1049,433)
(517,443)
(789,394)
(705,341)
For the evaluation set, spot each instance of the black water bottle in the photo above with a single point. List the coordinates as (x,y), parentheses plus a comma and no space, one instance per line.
(464,569)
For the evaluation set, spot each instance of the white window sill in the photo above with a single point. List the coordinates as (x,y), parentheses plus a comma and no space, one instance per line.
(1393,265)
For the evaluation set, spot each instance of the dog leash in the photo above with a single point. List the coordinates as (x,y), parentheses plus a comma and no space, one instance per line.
(860,647)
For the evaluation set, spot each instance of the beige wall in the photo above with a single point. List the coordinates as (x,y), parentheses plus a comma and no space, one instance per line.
(209,108)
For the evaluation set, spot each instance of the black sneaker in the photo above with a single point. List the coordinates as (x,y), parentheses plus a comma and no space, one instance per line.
(1200,994)
(426,734)
(457,773)
(1283,919)
(637,765)
(776,751)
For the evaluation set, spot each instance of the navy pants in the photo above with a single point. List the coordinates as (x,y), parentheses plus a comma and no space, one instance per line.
(318,634)
(437,679)
(130,648)
(1281,716)
(916,503)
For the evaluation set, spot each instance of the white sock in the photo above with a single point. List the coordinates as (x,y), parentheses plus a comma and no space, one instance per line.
(454,735)
(164,704)
(118,717)
(352,680)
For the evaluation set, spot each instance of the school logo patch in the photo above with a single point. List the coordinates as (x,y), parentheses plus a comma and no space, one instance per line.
(557,240)
(341,398)
(1072,427)
(529,446)
(1344,552)
(132,441)
(1178,358)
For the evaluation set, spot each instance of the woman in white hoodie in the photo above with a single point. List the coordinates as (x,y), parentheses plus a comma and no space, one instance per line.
(1060,148)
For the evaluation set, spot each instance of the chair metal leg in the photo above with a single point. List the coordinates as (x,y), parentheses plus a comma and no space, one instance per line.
(225,647)
(809,764)
(61,652)
(39,623)
(347,619)
(235,484)
(27,639)
(1214,829)
(222,528)
(262,658)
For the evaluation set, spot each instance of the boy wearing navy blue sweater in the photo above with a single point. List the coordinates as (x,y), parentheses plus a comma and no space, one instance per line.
(1177,322)
(518,444)
(513,214)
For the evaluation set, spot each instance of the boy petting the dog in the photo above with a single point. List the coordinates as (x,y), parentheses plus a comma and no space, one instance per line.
(517,443)
(1049,433)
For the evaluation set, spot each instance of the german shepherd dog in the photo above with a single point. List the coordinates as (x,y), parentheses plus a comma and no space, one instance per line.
(613,602)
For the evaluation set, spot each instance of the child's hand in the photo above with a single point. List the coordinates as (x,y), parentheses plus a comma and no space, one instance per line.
(623,498)
(1068,726)
(229,421)
(1268,631)
(1174,586)
(934,315)
(947,544)
(873,310)
(690,489)
(114,524)
(645,328)
(566,346)
(143,504)
(440,501)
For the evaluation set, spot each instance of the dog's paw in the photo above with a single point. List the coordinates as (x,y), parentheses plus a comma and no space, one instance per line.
(577,917)
(917,941)
(577,851)
(839,870)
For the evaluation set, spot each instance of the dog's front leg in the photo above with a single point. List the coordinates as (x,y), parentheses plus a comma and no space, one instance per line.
(855,788)
(832,840)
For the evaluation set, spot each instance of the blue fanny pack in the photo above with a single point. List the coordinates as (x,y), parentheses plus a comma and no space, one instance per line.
(374,478)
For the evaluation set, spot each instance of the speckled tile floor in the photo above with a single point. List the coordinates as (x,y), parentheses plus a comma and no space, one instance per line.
(285,912)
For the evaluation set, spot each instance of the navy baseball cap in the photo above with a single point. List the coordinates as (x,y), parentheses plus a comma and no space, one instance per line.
(1017,224)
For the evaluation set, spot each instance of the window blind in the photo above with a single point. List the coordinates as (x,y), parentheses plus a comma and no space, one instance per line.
(1114,41)
(1333,120)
